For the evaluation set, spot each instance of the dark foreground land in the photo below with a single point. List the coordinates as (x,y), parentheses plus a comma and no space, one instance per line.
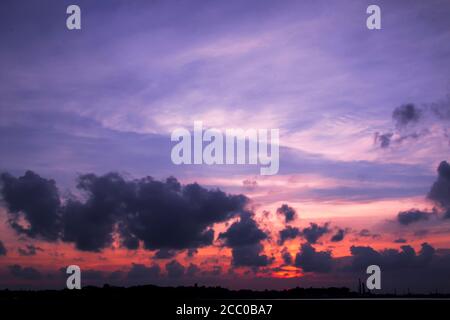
(153,302)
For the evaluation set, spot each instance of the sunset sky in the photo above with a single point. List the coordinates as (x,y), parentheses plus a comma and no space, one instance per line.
(86,117)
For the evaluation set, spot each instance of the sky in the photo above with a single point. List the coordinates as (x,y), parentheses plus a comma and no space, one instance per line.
(85,141)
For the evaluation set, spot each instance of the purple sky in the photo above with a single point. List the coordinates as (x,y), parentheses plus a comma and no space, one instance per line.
(137,70)
(107,97)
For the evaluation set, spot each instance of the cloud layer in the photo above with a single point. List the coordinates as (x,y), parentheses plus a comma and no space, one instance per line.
(142,210)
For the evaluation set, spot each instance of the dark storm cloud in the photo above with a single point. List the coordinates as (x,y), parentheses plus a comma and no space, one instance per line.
(90,224)
(34,199)
(363,256)
(26,273)
(412,216)
(3,250)
(406,114)
(140,272)
(338,236)
(440,191)
(439,194)
(383,139)
(91,274)
(366,234)
(29,250)
(144,210)
(288,233)
(311,260)
(175,269)
(286,256)
(128,240)
(311,233)
(244,238)
(164,254)
(164,209)
(314,232)
(391,259)
(410,114)
(288,212)
(192,270)
(116,276)
(250,256)
(243,232)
